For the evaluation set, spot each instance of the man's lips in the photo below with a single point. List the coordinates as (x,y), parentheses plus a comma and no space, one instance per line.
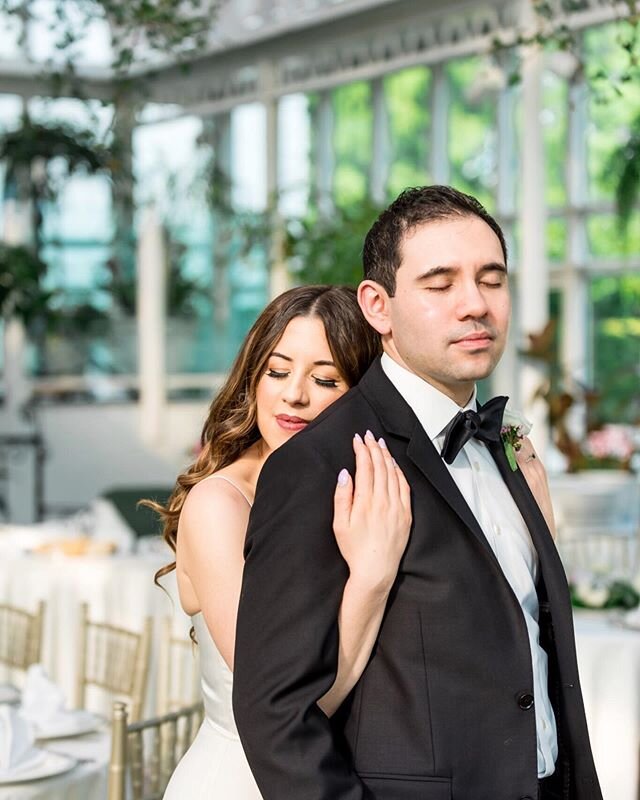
(474,341)
(291,423)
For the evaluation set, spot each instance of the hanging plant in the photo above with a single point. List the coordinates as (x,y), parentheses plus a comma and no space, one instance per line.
(625,165)
(22,294)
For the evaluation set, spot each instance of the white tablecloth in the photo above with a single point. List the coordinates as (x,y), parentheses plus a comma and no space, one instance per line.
(86,781)
(119,590)
(609,665)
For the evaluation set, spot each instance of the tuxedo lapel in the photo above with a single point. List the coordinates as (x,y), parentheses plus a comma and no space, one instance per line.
(425,456)
(399,419)
(552,569)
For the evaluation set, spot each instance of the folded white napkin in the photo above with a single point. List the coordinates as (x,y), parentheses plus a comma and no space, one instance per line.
(42,700)
(16,738)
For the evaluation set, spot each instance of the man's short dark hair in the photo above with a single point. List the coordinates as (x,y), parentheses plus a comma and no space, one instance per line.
(382,251)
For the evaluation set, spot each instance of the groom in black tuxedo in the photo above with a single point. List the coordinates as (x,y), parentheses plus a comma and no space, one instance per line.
(472,689)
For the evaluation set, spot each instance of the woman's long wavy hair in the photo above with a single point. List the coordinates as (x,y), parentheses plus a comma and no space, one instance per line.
(231,424)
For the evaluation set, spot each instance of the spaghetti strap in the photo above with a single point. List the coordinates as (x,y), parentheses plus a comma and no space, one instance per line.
(233,483)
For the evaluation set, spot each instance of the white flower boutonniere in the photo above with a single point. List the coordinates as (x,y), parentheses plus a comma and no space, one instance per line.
(515,427)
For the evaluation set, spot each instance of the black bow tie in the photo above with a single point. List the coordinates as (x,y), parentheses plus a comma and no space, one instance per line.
(483,424)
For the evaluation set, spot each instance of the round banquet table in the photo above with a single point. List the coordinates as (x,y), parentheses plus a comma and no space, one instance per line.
(85,781)
(609,666)
(120,590)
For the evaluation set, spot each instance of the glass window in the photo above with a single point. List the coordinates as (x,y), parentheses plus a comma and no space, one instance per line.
(615,306)
(610,113)
(407,99)
(472,130)
(352,139)
(554,126)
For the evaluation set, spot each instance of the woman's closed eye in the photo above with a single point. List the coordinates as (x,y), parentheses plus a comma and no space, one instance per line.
(329,383)
(274,373)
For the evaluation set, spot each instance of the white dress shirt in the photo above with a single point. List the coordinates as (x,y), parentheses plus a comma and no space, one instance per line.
(480,483)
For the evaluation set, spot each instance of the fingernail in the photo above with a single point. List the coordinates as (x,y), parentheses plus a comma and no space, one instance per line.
(395,463)
(368,435)
(343,477)
(358,438)
(382,443)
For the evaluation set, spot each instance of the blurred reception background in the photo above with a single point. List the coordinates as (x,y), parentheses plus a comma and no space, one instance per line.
(167,168)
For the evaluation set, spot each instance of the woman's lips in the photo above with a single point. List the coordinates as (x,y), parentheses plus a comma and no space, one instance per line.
(291,423)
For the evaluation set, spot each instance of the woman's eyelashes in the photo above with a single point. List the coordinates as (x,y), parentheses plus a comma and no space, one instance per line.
(328,383)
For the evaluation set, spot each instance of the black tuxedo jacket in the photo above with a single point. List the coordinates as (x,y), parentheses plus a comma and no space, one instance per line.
(443,710)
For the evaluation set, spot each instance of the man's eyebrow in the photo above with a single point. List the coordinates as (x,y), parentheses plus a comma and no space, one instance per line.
(434,272)
(316,363)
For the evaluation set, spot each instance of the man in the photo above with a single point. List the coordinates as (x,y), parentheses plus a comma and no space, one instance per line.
(472,691)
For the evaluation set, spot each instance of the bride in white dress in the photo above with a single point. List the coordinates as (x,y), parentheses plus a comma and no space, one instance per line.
(307,348)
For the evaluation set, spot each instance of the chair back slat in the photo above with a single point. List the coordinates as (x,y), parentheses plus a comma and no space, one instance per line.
(113,659)
(178,670)
(20,636)
(147,752)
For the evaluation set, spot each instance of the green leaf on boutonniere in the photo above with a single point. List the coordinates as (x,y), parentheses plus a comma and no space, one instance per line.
(511,456)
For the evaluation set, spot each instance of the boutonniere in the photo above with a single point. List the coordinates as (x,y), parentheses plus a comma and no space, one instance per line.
(515,427)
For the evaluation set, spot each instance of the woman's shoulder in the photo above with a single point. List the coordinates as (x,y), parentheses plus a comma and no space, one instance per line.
(220,494)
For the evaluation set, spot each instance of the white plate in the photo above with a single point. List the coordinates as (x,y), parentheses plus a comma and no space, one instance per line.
(9,694)
(71,723)
(42,765)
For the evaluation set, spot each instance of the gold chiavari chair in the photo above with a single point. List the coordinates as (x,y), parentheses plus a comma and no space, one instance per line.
(20,636)
(178,670)
(114,659)
(144,754)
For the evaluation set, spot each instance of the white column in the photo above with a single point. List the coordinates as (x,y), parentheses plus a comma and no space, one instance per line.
(575,314)
(504,380)
(278,275)
(151,319)
(16,230)
(439,134)
(379,171)
(533,270)
(222,159)
(325,162)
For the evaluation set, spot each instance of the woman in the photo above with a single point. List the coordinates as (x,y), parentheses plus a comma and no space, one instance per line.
(305,350)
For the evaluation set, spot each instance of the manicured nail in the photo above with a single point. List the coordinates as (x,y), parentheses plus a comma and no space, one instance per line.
(358,438)
(395,463)
(368,435)
(343,477)
(382,443)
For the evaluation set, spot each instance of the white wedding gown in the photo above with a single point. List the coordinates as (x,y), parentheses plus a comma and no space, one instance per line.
(214,767)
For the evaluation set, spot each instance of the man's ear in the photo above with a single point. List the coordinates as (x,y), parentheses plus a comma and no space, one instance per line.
(374,302)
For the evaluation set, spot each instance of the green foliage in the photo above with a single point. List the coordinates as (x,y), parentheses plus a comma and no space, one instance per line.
(329,249)
(352,142)
(22,294)
(625,165)
(616,315)
(74,149)
(140,29)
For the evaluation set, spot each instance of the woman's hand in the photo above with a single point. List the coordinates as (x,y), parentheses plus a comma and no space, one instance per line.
(371,522)
(536,476)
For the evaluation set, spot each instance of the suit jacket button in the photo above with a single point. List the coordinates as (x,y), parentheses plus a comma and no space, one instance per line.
(525,701)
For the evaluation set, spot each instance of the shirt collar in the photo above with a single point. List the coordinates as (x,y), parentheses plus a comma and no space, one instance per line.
(433,408)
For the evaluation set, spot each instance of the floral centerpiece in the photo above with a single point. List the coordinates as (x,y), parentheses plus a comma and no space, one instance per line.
(609,447)
(599,591)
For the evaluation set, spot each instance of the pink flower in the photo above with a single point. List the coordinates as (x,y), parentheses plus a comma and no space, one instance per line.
(611,441)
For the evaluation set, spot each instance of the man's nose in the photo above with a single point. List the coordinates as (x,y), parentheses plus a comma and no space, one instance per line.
(472,302)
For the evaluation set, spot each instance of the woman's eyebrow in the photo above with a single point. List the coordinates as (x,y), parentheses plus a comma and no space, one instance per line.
(320,363)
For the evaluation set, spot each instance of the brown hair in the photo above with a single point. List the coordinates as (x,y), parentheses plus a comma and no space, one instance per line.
(231,424)
(382,251)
